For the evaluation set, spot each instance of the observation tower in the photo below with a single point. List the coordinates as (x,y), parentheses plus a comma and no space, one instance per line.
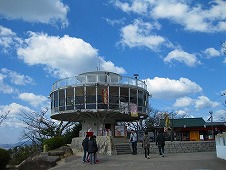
(100,100)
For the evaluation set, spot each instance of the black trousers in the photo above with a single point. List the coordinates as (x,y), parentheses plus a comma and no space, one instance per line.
(161,149)
(134,147)
(146,152)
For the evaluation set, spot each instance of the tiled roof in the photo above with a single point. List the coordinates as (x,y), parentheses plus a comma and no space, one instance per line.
(188,122)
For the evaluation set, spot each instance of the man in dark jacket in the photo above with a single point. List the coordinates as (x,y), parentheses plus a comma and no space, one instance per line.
(85,147)
(160,142)
(92,149)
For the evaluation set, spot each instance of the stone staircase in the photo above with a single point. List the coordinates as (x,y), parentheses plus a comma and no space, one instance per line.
(122,146)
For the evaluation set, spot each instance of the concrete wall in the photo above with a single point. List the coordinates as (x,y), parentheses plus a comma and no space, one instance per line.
(221,146)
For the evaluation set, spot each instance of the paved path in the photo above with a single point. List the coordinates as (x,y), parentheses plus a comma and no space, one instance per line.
(172,161)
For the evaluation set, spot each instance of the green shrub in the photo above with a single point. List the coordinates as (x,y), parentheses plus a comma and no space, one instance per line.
(4,158)
(54,143)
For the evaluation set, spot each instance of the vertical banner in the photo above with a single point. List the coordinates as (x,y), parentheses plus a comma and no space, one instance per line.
(133,110)
(105,95)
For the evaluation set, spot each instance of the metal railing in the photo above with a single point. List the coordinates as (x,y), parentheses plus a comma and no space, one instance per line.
(88,79)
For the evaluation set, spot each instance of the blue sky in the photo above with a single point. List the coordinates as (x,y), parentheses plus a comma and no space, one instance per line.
(174,46)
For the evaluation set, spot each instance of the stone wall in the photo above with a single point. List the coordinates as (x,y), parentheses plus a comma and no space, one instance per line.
(183,147)
(106,146)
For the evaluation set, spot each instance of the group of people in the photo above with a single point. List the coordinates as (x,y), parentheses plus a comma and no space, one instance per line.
(160,142)
(90,149)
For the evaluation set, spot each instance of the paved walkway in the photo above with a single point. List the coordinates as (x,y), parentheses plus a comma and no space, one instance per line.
(172,161)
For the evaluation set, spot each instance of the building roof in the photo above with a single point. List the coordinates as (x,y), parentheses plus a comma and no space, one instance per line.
(190,122)
(184,122)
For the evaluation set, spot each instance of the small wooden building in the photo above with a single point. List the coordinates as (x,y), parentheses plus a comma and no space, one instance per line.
(192,129)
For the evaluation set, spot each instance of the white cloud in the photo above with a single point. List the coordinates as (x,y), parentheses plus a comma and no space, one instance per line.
(15,110)
(4,88)
(16,78)
(219,115)
(8,38)
(139,34)
(34,100)
(182,57)
(224,61)
(115,22)
(204,102)
(165,88)
(192,16)
(43,11)
(183,102)
(211,52)
(137,6)
(183,114)
(62,56)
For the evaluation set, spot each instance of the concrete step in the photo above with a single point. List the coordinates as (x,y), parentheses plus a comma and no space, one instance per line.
(122,148)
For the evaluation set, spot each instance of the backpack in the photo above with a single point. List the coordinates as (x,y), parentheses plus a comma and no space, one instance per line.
(85,143)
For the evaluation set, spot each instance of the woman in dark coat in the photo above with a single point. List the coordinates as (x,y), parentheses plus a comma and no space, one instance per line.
(92,149)
(160,142)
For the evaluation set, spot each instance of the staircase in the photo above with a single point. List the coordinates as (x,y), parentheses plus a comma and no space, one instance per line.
(122,146)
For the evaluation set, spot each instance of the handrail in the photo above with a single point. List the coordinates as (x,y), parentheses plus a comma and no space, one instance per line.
(84,80)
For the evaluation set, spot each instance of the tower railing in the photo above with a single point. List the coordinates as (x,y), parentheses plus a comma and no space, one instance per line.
(92,79)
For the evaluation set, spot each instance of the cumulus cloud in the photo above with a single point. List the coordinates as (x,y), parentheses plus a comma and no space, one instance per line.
(62,56)
(211,52)
(192,16)
(183,102)
(183,114)
(165,88)
(43,11)
(205,102)
(34,100)
(14,110)
(139,34)
(182,57)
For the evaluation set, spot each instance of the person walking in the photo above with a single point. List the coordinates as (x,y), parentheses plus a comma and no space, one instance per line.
(133,140)
(92,149)
(160,142)
(146,145)
(85,148)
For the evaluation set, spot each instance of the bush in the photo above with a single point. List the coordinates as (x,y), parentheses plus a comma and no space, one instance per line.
(54,143)
(4,158)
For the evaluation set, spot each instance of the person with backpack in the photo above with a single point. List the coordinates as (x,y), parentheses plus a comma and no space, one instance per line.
(160,142)
(85,148)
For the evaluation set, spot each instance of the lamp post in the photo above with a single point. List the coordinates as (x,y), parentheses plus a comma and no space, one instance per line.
(136,76)
(211,119)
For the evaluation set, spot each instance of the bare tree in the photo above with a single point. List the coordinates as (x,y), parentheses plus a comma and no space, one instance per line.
(3,117)
(40,127)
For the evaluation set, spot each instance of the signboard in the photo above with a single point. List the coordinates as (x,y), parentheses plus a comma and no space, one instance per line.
(119,130)
(133,110)
(105,95)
